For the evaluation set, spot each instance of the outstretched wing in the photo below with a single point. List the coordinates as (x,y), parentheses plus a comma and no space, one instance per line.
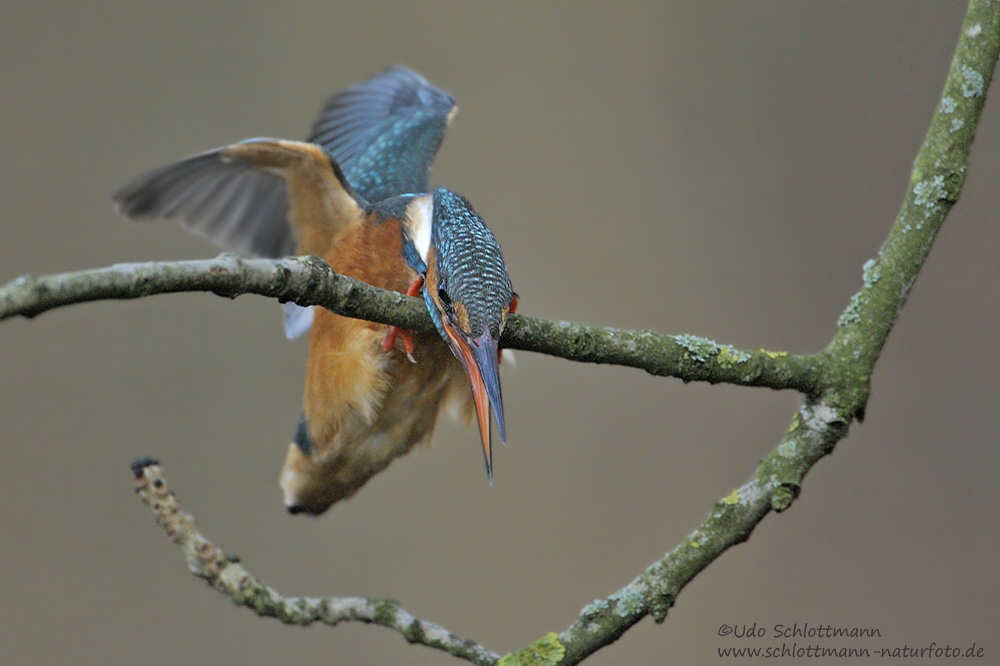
(265,197)
(260,196)
(385,132)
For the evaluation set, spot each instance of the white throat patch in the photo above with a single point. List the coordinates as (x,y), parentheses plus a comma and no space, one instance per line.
(420,219)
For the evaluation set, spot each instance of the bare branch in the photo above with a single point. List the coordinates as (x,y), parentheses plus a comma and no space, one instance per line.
(936,181)
(836,381)
(310,281)
(227,575)
(816,430)
(305,280)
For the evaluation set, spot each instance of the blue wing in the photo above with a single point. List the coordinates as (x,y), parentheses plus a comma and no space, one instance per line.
(382,133)
(385,132)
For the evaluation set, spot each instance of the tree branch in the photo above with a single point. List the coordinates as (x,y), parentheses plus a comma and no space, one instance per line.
(227,575)
(935,184)
(836,381)
(310,281)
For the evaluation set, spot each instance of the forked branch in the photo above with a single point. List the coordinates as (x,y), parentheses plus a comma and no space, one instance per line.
(835,381)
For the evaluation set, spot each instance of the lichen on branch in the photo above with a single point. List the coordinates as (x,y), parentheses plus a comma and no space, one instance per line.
(310,281)
(835,381)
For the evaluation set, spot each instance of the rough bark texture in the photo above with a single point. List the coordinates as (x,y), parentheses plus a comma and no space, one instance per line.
(835,381)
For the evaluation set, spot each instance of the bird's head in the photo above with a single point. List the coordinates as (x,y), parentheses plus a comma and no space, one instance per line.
(467,292)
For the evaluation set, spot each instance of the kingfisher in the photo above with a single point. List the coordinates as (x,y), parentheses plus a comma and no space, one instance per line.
(356,193)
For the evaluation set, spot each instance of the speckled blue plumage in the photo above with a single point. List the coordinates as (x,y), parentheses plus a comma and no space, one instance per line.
(361,178)
(384,132)
(397,160)
(470,267)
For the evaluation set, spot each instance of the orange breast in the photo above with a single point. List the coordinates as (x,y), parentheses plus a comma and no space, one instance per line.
(363,407)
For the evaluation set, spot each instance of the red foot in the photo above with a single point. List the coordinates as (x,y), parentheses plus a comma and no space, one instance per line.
(390,341)
(394,331)
(511,310)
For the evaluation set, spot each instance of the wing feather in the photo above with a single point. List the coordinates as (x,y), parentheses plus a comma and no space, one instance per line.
(232,195)
(385,132)
(183,190)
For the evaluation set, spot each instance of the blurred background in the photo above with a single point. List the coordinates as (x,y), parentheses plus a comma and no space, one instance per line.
(720,169)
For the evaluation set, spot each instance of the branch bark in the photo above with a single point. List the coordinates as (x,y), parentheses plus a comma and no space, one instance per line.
(226,574)
(935,184)
(836,381)
(310,281)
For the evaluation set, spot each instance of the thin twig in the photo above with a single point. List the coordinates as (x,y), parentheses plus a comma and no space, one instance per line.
(836,382)
(227,575)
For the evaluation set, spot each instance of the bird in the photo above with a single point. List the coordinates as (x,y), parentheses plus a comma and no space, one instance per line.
(356,193)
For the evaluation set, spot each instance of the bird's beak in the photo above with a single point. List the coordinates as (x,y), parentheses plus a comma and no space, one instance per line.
(479,357)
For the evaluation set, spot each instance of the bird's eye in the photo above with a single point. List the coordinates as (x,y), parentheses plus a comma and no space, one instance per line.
(444,297)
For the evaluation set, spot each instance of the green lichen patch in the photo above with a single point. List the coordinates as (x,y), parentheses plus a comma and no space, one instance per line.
(782,498)
(593,610)
(732,498)
(972,82)
(728,357)
(872,272)
(546,651)
(629,601)
(385,612)
(697,349)
(788,449)
(852,313)
(796,423)
(928,194)
(415,632)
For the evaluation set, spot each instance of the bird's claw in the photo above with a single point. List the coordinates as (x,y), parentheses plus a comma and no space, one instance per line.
(390,341)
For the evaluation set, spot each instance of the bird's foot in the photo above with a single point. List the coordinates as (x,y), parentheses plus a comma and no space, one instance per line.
(512,308)
(394,331)
(390,341)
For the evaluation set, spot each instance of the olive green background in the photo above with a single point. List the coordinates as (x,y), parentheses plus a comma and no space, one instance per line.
(707,168)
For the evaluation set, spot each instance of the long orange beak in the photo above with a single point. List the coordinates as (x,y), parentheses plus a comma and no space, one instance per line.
(479,358)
